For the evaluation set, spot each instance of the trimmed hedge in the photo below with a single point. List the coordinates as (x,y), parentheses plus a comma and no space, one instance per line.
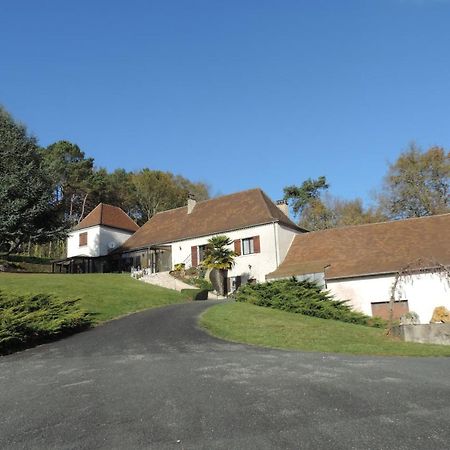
(31,319)
(196,294)
(303,297)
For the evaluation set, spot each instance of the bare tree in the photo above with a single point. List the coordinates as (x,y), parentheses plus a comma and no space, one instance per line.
(406,275)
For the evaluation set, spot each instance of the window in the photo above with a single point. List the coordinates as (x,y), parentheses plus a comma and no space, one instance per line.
(248,246)
(83,239)
(201,252)
(198,253)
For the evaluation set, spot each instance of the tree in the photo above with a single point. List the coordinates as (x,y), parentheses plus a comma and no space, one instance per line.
(220,259)
(28,210)
(306,194)
(317,210)
(417,184)
(333,212)
(123,192)
(72,174)
(406,275)
(158,191)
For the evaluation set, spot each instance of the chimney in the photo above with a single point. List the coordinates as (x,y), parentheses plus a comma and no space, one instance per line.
(283,206)
(191,203)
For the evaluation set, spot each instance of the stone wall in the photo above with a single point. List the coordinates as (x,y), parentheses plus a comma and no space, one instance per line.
(434,333)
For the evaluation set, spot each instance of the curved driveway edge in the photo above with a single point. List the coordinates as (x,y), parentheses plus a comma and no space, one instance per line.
(155,380)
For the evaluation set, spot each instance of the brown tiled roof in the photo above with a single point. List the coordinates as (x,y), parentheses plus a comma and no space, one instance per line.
(369,249)
(218,215)
(108,215)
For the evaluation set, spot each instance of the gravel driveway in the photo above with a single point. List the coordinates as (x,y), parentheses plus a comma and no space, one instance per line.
(155,380)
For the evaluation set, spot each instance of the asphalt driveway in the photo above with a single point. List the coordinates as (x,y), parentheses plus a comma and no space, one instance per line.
(155,380)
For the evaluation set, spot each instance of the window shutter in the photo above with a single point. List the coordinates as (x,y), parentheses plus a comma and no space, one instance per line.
(256,244)
(194,256)
(237,247)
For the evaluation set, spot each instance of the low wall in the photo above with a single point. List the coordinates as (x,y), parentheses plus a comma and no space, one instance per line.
(434,333)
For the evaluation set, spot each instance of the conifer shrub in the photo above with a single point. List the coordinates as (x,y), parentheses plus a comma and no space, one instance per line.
(303,297)
(31,319)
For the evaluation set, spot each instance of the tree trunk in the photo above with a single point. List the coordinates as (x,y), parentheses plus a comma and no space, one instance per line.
(82,208)
(392,302)
(218,277)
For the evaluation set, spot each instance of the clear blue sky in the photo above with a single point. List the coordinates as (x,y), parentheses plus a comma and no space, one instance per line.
(239,94)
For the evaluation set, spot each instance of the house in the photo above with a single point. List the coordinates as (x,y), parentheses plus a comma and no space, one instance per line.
(360,263)
(90,242)
(261,232)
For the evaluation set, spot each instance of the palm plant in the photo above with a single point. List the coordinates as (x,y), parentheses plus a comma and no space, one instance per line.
(219,258)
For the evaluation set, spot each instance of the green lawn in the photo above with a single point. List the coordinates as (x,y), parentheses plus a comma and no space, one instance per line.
(106,296)
(243,322)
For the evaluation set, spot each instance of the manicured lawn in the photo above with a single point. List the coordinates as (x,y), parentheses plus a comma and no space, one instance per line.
(242,322)
(106,296)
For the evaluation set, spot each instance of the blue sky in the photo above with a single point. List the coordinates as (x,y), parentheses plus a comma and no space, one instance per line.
(238,94)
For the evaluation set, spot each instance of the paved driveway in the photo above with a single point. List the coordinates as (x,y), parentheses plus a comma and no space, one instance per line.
(154,380)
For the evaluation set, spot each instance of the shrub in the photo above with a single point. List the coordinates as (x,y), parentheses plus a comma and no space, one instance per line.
(201,283)
(303,297)
(28,320)
(196,294)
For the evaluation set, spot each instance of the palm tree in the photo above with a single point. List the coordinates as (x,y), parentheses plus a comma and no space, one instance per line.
(220,259)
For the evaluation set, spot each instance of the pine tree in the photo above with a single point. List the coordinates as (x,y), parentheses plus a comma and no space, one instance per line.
(27,212)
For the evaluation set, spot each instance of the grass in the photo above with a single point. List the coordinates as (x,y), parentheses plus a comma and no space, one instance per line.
(104,296)
(243,322)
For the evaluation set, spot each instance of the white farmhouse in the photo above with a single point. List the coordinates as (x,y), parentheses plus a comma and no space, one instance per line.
(261,233)
(360,263)
(105,228)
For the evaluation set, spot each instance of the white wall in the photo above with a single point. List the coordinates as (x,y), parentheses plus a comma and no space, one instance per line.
(98,239)
(261,263)
(424,292)
(285,237)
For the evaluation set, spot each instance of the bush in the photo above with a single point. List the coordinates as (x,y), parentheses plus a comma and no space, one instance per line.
(303,297)
(201,283)
(196,294)
(31,319)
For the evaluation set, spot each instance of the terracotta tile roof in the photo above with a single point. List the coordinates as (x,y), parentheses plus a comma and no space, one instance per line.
(369,249)
(108,215)
(209,217)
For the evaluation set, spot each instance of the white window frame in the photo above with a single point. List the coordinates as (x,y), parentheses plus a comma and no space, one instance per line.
(250,247)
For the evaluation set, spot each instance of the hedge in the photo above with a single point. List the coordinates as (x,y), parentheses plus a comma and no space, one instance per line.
(303,297)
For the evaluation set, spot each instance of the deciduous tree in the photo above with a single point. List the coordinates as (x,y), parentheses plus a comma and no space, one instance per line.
(417,184)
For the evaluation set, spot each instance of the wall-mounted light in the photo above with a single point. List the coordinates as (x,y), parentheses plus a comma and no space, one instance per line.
(249,267)
(180,248)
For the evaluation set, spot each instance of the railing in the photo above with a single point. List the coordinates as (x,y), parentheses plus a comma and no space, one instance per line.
(139,273)
(188,261)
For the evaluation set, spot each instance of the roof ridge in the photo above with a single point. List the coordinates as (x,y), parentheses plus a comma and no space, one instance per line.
(265,198)
(212,199)
(346,227)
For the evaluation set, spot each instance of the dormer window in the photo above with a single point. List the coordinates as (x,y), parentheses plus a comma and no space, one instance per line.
(83,239)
